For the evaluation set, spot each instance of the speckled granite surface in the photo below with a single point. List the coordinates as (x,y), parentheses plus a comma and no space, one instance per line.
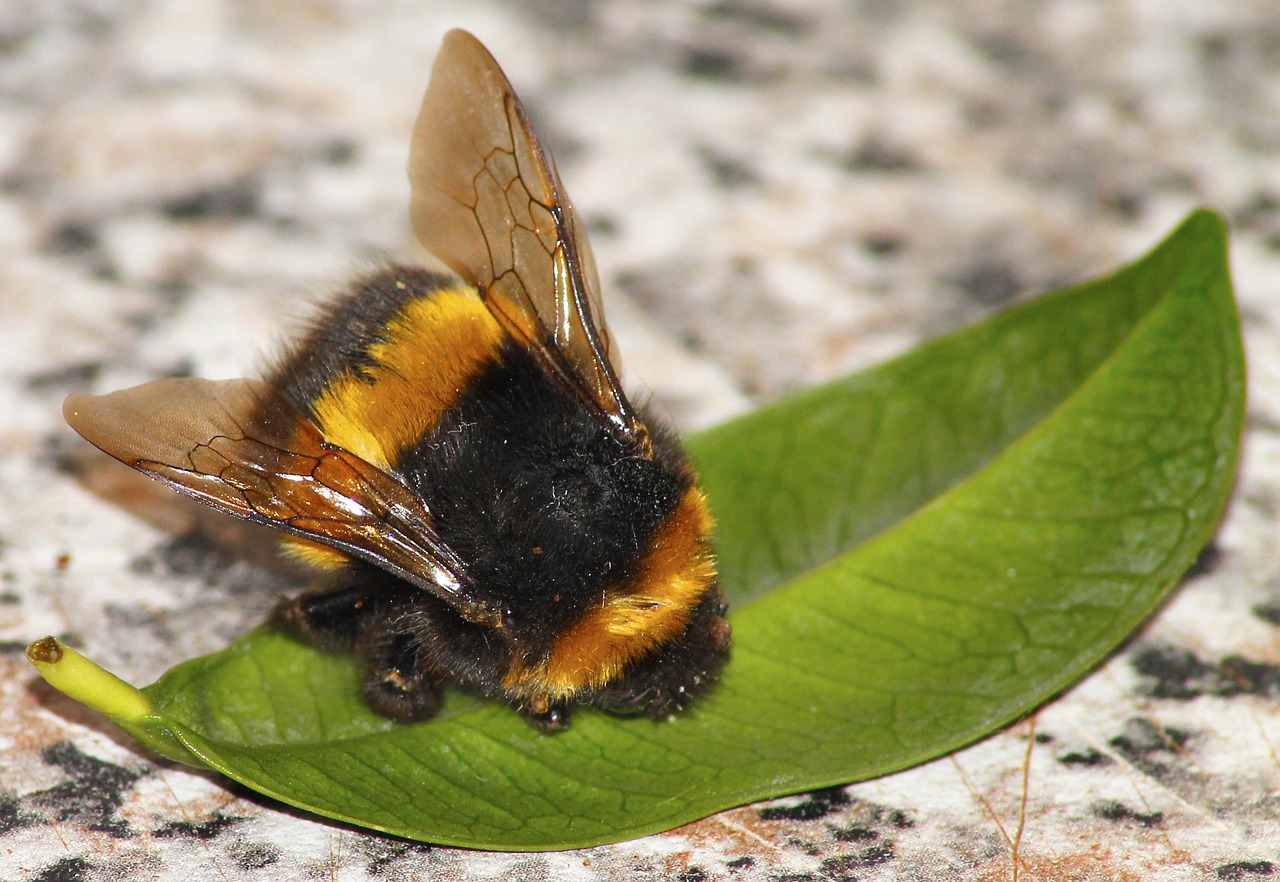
(779,193)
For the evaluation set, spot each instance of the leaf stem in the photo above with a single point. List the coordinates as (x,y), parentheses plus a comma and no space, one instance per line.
(74,675)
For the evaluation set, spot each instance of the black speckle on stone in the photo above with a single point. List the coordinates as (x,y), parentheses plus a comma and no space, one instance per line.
(209,829)
(1179,674)
(726,171)
(876,154)
(105,271)
(1087,757)
(339,152)
(893,817)
(693,874)
(191,556)
(795,877)
(10,598)
(67,869)
(68,377)
(56,453)
(880,853)
(741,863)
(13,816)
(632,282)
(14,184)
(988,281)
(761,16)
(602,224)
(1249,677)
(1141,736)
(1245,869)
(1215,46)
(214,564)
(854,833)
(1262,209)
(237,199)
(713,64)
(1176,673)
(1118,811)
(1268,612)
(1043,738)
(840,868)
(183,367)
(1128,204)
(254,855)
(804,846)
(134,618)
(384,854)
(174,290)
(984,114)
(901,819)
(1007,51)
(882,243)
(71,638)
(1206,562)
(93,795)
(1155,751)
(12,647)
(73,237)
(819,804)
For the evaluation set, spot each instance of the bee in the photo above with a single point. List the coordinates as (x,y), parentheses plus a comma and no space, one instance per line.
(454,454)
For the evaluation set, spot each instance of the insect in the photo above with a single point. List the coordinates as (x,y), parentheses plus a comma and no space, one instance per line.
(456,456)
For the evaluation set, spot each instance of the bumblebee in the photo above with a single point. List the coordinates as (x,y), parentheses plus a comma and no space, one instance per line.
(456,456)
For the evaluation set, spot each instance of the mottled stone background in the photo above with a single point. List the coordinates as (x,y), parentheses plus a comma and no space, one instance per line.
(779,192)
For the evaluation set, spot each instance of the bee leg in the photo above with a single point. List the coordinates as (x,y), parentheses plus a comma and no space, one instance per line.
(399,684)
(548,717)
(329,618)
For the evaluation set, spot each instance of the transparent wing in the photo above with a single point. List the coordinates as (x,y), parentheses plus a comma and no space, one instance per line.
(488,202)
(239,446)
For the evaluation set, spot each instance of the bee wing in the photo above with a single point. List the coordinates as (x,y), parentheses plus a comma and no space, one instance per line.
(239,446)
(487,200)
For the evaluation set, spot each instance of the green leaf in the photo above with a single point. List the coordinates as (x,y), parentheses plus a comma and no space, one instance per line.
(916,555)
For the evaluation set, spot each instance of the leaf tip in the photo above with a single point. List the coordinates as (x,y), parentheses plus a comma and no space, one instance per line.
(1206,221)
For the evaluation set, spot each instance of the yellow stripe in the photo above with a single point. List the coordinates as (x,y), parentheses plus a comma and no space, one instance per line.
(312,554)
(433,347)
(674,576)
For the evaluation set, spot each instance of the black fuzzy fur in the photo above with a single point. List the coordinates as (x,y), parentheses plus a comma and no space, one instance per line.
(533,490)
(537,495)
